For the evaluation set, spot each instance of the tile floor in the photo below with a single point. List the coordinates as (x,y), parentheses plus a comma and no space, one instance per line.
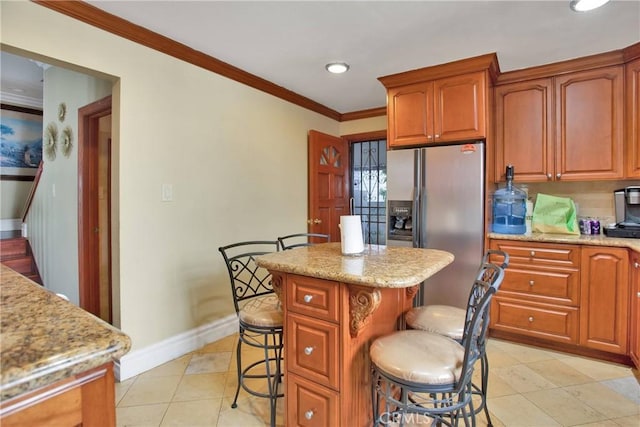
(527,387)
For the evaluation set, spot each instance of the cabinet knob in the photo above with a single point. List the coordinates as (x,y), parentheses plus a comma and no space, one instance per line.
(530,319)
(533,253)
(558,175)
(308,350)
(531,282)
(549,176)
(636,264)
(309,414)
(437,135)
(307,298)
(638,294)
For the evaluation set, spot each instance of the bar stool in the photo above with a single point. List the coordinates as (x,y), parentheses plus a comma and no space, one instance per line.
(418,373)
(259,317)
(450,321)
(302,239)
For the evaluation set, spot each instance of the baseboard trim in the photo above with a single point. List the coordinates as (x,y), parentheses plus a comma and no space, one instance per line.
(10,224)
(139,361)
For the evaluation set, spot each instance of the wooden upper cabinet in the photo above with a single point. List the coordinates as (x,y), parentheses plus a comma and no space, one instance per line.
(524,124)
(410,114)
(633,118)
(449,109)
(459,109)
(440,104)
(590,124)
(569,127)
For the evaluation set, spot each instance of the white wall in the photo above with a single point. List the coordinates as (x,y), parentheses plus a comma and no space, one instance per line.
(363,125)
(53,217)
(13,196)
(236,158)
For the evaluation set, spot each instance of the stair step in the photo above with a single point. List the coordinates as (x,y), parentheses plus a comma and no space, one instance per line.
(21,264)
(13,247)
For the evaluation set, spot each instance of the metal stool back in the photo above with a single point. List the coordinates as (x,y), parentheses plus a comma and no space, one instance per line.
(442,400)
(302,239)
(259,315)
(450,321)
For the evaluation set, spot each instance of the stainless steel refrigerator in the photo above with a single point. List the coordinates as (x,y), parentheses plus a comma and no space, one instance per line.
(436,200)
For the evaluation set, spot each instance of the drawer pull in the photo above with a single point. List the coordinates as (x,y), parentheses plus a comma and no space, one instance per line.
(533,253)
(530,319)
(308,350)
(309,414)
(531,282)
(308,298)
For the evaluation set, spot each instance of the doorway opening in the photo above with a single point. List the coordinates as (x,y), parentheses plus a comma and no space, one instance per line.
(369,186)
(94,208)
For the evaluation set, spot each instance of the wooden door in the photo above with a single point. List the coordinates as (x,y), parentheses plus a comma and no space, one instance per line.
(604,299)
(633,118)
(589,124)
(94,265)
(328,183)
(524,130)
(459,107)
(410,114)
(634,321)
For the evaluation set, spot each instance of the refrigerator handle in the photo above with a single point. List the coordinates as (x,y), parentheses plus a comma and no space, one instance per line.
(415,220)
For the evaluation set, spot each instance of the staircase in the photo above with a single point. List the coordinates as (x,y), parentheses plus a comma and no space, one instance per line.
(15,253)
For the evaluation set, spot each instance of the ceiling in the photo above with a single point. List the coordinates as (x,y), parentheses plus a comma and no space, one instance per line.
(289,42)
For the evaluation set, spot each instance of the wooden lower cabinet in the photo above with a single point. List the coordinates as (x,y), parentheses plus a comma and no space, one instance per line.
(328,330)
(546,321)
(311,405)
(634,344)
(604,303)
(576,295)
(86,399)
(539,296)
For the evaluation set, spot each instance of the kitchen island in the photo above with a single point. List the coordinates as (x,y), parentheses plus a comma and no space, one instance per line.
(56,359)
(334,307)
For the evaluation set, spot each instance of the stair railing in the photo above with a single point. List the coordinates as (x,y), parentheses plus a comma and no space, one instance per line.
(32,192)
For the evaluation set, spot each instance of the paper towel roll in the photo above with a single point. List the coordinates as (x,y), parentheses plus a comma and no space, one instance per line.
(351,235)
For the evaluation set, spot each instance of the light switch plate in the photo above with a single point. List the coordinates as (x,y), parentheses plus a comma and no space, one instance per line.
(167,192)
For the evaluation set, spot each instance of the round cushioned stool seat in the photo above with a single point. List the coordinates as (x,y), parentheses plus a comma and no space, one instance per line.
(262,311)
(418,356)
(441,319)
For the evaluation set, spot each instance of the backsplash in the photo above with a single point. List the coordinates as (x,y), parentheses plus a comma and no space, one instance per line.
(593,199)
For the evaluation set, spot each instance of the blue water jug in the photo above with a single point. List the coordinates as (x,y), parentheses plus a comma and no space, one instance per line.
(509,208)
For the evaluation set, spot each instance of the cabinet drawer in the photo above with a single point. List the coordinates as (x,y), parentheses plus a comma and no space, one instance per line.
(312,349)
(555,323)
(310,405)
(313,297)
(539,253)
(555,286)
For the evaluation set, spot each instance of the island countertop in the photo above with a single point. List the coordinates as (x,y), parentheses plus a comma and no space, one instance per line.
(378,266)
(46,339)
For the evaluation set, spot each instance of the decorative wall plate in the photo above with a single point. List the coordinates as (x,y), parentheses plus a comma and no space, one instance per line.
(62,111)
(50,138)
(66,141)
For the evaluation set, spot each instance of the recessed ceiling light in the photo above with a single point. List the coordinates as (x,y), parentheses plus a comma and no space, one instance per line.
(337,67)
(585,5)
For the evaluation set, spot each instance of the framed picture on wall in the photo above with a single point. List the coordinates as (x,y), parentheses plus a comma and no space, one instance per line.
(20,142)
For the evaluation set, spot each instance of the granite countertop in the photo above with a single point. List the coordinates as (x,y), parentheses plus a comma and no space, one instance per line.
(45,339)
(576,239)
(378,266)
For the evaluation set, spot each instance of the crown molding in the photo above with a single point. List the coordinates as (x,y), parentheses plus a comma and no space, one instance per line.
(20,100)
(98,18)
